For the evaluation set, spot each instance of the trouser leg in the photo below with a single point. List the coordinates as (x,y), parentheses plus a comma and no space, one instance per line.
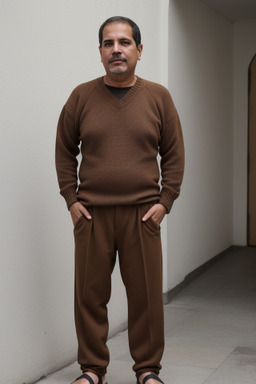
(139,248)
(94,262)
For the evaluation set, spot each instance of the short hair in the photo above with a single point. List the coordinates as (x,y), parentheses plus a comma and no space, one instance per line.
(135,29)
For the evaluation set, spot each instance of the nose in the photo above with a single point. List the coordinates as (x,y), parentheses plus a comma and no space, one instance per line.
(116,47)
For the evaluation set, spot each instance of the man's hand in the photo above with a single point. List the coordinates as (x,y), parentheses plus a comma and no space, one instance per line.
(156,212)
(77,210)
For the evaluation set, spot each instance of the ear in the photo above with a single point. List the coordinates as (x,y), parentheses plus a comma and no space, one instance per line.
(100,50)
(139,51)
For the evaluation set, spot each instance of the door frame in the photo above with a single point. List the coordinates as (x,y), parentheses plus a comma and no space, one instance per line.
(251,171)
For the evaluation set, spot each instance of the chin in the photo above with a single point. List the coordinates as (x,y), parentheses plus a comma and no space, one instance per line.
(117,71)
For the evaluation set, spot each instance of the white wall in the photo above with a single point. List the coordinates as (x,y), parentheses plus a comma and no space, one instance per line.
(47,48)
(244,50)
(200,80)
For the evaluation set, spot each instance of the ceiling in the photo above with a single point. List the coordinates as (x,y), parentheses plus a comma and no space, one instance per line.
(234,10)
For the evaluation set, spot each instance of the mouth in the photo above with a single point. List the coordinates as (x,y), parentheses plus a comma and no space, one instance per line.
(117,61)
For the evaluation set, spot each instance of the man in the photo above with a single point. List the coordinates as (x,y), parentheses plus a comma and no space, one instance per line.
(122,122)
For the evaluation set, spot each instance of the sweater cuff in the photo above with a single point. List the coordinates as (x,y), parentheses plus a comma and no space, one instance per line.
(70,196)
(167,198)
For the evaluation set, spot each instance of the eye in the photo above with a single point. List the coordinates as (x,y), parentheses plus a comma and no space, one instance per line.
(107,44)
(125,42)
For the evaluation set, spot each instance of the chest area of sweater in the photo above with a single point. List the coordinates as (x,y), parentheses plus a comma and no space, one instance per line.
(137,123)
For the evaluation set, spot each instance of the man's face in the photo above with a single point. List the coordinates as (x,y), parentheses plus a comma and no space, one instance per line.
(119,52)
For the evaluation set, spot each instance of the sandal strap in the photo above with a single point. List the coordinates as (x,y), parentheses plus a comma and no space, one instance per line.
(152,376)
(87,377)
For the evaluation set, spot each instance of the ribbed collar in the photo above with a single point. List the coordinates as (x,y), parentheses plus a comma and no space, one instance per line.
(112,99)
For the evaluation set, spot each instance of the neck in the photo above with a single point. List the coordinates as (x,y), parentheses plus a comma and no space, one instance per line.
(117,81)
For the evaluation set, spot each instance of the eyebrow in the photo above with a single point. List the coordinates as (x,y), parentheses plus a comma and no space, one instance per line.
(121,39)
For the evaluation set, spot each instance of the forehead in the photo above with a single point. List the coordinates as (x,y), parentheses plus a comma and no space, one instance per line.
(117,29)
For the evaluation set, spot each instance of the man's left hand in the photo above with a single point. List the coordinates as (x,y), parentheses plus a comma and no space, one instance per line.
(156,212)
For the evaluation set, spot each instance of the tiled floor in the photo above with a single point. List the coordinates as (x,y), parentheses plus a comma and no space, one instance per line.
(210,330)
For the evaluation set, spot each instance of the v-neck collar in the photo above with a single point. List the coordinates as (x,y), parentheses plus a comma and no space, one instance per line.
(114,100)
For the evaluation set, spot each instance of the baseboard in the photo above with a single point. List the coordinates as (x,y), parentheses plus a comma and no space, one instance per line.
(168,296)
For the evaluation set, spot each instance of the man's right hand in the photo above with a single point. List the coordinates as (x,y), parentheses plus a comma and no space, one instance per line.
(77,210)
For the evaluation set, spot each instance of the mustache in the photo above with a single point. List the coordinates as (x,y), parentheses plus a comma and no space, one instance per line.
(116,57)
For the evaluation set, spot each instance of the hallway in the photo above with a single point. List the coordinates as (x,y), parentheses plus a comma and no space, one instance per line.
(210,330)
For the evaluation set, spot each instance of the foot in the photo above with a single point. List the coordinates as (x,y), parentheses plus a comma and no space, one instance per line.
(149,380)
(93,376)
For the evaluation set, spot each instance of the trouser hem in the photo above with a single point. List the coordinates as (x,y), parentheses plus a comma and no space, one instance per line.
(100,372)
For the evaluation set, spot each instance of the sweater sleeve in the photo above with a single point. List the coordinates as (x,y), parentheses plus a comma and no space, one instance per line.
(171,150)
(67,149)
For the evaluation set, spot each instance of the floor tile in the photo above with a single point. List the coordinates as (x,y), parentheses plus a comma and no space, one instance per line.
(207,356)
(238,368)
(176,374)
(210,329)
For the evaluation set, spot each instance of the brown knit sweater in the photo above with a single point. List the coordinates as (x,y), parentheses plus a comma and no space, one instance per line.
(120,141)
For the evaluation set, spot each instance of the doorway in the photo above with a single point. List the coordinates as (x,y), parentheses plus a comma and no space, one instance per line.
(251,214)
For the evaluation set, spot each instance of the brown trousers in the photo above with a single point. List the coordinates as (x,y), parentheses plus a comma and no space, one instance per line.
(111,230)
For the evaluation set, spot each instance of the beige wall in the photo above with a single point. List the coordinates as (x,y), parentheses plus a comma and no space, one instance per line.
(47,48)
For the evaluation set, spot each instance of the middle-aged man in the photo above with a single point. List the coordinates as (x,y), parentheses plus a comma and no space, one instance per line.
(122,122)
